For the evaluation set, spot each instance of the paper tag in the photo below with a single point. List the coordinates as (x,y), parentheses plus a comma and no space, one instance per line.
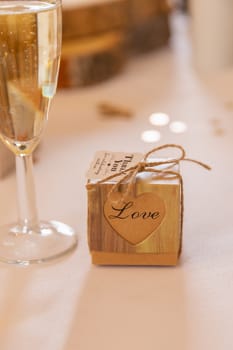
(109,163)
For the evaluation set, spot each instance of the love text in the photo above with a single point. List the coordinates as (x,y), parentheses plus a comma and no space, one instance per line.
(126,211)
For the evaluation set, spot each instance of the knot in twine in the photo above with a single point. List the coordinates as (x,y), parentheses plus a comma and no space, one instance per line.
(153,167)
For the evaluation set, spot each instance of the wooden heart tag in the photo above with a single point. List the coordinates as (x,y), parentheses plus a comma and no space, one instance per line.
(134,218)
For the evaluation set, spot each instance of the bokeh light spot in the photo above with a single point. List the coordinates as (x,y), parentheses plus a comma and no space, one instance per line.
(159,119)
(178,127)
(150,136)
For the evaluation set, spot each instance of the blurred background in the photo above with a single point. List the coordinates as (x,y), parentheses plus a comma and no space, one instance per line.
(143,64)
(101,36)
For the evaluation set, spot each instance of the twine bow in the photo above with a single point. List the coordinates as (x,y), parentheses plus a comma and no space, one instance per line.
(150,166)
(155,167)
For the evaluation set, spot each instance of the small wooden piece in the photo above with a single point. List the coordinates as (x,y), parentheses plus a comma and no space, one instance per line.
(111,110)
(88,61)
(111,244)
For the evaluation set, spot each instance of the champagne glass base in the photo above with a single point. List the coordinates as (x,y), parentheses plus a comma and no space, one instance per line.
(47,241)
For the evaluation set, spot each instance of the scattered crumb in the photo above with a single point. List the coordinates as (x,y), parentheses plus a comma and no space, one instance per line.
(110,110)
(219,131)
(215,121)
(229,105)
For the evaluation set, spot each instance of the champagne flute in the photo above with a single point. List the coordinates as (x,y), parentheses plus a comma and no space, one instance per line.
(30,46)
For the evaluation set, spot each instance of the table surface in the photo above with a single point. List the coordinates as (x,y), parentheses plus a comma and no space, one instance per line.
(71,304)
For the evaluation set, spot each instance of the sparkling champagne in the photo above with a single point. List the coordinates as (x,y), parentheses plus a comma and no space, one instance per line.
(29,61)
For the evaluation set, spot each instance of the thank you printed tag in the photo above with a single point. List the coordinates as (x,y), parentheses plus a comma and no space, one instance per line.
(109,163)
(134,218)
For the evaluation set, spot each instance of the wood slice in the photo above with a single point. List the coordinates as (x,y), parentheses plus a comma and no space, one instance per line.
(98,34)
(148,25)
(149,35)
(87,18)
(88,61)
(143,10)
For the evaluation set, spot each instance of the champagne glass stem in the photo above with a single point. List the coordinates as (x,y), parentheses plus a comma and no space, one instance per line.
(27,210)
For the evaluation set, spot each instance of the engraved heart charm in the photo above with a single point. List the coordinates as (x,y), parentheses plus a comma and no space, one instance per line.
(134,218)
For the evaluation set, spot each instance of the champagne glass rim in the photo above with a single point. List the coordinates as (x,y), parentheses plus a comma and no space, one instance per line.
(17,2)
(28,5)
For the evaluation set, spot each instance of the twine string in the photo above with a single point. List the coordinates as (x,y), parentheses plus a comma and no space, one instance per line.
(146,165)
(154,167)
